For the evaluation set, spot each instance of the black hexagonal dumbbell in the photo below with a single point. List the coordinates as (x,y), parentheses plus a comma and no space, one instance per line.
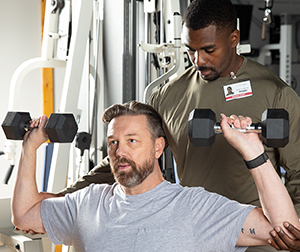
(274,127)
(60,128)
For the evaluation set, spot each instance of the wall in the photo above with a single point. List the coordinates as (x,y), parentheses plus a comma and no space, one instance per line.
(20,41)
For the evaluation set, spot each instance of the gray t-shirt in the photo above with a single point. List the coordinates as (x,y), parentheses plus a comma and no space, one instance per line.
(167,218)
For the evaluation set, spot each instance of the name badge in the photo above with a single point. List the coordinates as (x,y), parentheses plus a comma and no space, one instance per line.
(237,90)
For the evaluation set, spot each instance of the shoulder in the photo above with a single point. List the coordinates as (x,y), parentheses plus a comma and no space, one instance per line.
(263,80)
(261,72)
(172,88)
(91,192)
(202,202)
(189,195)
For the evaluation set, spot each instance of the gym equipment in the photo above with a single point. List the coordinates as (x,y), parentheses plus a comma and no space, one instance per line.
(274,127)
(60,128)
(83,141)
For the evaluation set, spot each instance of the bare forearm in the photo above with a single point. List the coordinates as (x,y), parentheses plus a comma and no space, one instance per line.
(275,200)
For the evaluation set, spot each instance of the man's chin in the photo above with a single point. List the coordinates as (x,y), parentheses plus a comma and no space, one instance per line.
(210,77)
(128,181)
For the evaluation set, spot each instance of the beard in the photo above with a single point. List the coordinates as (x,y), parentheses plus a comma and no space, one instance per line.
(135,176)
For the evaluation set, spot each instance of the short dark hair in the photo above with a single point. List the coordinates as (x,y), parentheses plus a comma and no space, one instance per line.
(202,13)
(136,108)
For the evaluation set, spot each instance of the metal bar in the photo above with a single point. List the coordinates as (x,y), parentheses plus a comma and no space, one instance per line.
(129,51)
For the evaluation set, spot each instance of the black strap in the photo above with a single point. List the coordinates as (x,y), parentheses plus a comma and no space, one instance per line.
(261,159)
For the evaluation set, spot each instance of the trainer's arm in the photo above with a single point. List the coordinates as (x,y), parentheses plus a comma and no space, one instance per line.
(99,174)
(26,201)
(277,205)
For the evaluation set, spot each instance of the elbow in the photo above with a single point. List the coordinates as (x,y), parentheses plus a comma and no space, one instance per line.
(17,222)
(28,226)
(28,220)
(16,216)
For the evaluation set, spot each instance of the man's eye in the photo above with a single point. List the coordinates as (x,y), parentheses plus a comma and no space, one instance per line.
(132,140)
(209,51)
(113,142)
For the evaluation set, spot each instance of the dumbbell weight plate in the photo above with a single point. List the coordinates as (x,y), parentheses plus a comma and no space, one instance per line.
(14,125)
(275,127)
(201,127)
(61,128)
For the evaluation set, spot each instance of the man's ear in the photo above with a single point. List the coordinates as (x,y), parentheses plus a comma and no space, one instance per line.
(159,146)
(235,38)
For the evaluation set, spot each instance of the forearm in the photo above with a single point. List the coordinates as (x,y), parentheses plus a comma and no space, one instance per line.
(275,200)
(26,199)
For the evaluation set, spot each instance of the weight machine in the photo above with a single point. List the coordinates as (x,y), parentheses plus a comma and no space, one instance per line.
(285,48)
(59,50)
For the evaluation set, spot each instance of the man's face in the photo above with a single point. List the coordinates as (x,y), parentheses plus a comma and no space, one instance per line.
(131,149)
(209,51)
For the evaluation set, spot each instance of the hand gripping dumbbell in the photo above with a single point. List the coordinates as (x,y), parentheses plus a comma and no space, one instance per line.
(274,127)
(60,128)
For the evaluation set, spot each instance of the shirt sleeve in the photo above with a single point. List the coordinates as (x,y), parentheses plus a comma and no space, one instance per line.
(289,156)
(59,216)
(216,216)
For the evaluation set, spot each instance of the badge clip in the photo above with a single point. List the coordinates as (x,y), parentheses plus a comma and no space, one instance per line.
(233,76)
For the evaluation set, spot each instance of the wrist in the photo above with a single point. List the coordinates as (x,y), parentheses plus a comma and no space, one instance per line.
(258,161)
(249,152)
(28,148)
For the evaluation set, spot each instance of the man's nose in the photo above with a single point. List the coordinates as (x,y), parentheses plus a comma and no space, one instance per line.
(199,59)
(121,151)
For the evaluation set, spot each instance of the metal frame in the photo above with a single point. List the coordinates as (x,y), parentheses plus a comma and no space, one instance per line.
(285,48)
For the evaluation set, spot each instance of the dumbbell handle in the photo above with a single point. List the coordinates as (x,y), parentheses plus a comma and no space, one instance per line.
(28,128)
(257,127)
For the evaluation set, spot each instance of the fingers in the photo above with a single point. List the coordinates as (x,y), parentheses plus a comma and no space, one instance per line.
(39,122)
(225,122)
(273,244)
(283,240)
(277,243)
(37,133)
(292,229)
(34,233)
(30,231)
(239,121)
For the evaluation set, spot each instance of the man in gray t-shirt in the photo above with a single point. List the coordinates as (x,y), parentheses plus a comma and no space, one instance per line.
(169,217)
(143,212)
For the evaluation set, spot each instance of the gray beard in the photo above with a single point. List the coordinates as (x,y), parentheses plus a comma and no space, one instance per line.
(135,176)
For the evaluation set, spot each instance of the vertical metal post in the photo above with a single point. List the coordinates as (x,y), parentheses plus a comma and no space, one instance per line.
(286,48)
(129,51)
(147,55)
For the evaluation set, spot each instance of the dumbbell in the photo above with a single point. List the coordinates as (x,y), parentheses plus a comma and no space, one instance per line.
(274,127)
(60,128)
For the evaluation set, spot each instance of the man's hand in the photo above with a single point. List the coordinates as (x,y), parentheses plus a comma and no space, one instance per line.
(248,143)
(37,135)
(44,195)
(281,241)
